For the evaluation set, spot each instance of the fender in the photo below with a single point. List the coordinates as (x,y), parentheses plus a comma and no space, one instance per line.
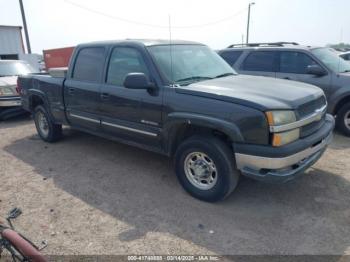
(178,119)
(41,94)
(336,98)
(35,92)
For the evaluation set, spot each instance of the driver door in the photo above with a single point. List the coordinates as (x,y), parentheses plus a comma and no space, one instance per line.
(129,114)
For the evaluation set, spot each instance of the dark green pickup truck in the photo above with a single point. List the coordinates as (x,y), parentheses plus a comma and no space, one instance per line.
(182,100)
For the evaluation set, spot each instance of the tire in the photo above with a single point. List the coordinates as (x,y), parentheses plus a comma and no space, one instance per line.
(343,119)
(23,246)
(46,128)
(205,167)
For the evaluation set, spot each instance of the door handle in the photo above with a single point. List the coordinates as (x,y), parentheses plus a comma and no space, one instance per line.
(287,78)
(71,90)
(104,96)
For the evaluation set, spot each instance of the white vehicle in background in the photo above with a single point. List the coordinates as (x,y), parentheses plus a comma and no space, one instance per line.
(345,56)
(10,101)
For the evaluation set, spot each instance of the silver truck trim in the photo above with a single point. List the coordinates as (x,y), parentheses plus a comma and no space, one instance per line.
(259,162)
(85,118)
(129,129)
(317,115)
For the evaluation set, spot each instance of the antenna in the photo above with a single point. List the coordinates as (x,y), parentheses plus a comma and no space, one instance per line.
(171,52)
(341,40)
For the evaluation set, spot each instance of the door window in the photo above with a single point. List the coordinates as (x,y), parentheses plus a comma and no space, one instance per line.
(124,60)
(264,61)
(231,56)
(89,64)
(295,62)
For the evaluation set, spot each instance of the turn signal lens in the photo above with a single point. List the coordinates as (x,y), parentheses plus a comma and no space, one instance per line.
(280,139)
(269,117)
(277,118)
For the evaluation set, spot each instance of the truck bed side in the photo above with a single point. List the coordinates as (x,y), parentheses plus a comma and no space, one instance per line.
(43,89)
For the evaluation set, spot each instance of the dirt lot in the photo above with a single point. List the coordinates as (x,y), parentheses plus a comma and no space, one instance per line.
(87,195)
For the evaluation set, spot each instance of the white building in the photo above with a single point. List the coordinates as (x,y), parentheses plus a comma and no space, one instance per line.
(12,46)
(11,42)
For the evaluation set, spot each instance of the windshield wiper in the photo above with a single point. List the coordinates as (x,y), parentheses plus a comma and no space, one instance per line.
(223,75)
(192,79)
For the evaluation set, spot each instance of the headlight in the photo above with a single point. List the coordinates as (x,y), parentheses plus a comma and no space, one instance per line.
(6,91)
(280,139)
(277,118)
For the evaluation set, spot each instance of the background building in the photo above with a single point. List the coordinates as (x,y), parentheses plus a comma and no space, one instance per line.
(11,42)
(12,46)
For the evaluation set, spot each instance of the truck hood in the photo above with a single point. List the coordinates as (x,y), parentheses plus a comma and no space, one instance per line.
(262,93)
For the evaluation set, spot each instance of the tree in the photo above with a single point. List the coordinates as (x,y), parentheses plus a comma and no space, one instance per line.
(340,47)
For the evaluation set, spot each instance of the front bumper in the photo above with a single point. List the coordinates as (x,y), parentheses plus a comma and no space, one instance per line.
(10,101)
(283,164)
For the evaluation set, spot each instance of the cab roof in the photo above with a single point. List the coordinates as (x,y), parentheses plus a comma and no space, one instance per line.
(143,42)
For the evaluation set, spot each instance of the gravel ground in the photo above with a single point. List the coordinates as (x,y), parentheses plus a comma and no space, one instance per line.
(87,195)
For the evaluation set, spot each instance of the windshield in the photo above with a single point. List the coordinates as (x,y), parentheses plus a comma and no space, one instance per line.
(189,63)
(15,68)
(332,60)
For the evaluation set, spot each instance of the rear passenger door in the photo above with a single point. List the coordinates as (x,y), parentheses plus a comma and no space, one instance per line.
(82,88)
(260,63)
(293,66)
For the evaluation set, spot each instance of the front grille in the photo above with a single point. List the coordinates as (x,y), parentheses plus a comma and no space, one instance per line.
(312,127)
(310,107)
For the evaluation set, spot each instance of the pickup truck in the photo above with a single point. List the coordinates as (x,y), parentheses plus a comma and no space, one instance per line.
(182,100)
(10,101)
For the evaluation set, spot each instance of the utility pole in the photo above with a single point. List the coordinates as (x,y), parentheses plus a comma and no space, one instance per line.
(250,4)
(29,50)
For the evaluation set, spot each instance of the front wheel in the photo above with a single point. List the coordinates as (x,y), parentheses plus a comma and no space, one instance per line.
(343,119)
(47,129)
(205,168)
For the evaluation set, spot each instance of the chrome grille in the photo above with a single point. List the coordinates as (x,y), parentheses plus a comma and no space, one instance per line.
(307,109)
(312,127)
(310,107)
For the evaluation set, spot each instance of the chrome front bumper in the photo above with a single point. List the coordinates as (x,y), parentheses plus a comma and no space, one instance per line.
(273,168)
(10,101)
(259,162)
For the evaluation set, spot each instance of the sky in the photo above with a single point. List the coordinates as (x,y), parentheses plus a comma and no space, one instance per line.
(60,23)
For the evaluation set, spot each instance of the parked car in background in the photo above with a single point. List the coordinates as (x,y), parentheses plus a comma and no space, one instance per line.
(188,104)
(10,101)
(319,66)
(345,56)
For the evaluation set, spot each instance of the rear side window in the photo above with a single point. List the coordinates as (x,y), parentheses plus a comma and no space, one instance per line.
(89,64)
(124,60)
(346,56)
(260,61)
(295,62)
(231,56)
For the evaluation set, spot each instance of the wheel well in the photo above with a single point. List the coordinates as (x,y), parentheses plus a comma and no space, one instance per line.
(185,131)
(342,102)
(35,101)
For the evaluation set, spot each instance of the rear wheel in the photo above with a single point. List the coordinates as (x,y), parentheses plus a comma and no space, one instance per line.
(343,119)
(205,168)
(47,129)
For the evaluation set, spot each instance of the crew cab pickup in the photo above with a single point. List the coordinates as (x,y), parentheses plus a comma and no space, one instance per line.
(181,99)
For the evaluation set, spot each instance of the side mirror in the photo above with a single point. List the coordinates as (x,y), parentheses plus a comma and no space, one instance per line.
(137,81)
(315,70)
